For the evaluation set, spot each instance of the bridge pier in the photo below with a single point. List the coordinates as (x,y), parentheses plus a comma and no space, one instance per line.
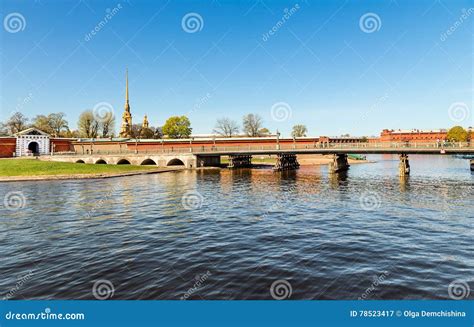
(404,166)
(286,161)
(208,161)
(240,161)
(339,164)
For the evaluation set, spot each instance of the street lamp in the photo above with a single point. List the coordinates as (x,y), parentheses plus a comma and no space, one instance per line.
(278,140)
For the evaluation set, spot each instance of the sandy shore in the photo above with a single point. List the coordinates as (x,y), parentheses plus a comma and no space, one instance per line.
(84,176)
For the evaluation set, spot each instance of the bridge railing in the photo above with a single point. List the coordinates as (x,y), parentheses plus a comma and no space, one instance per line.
(275,146)
(348,146)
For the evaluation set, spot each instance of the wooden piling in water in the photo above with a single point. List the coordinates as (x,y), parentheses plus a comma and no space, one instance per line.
(286,161)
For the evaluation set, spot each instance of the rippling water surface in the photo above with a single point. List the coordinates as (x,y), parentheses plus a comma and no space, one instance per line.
(233,234)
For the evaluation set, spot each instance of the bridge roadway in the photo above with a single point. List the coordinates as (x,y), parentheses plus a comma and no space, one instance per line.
(193,156)
(221,151)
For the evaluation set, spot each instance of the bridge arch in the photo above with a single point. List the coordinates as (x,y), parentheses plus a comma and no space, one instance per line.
(175,162)
(148,162)
(80,161)
(101,162)
(123,162)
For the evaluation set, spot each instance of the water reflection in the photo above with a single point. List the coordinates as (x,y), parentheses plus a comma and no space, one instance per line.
(328,235)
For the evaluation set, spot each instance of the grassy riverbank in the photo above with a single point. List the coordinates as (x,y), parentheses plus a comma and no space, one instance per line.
(33,167)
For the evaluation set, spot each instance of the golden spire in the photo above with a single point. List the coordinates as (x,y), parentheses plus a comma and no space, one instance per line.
(126,89)
(145,122)
(126,126)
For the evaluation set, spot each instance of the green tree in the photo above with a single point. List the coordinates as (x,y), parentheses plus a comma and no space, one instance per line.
(264,132)
(457,134)
(299,131)
(177,127)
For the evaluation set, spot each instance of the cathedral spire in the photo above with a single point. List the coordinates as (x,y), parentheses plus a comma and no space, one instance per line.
(126,126)
(126,86)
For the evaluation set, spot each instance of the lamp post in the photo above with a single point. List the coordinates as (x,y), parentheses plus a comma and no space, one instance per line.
(278,140)
(137,139)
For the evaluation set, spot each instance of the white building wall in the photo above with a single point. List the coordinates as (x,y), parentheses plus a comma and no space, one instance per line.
(23,141)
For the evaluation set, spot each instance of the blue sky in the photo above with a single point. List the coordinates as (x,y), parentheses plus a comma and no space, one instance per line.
(332,72)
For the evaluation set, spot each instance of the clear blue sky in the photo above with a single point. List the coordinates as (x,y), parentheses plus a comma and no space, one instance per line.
(335,77)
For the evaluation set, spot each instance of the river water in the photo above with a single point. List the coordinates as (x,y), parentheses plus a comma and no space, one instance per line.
(244,234)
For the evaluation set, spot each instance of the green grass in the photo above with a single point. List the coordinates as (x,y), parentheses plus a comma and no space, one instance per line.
(33,167)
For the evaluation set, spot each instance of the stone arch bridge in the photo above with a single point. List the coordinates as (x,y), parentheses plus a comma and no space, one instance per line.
(160,160)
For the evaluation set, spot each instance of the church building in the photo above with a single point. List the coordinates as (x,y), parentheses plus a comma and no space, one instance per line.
(126,125)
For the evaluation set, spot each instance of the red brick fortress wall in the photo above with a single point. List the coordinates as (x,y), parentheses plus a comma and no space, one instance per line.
(7,147)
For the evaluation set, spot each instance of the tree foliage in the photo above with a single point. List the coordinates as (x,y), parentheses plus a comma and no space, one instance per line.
(226,127)
(299,131)
(16,123)
(457,134)
(252,124)
(87,125)
(264,132)
(107,125)
(177,127)
(58,123)
(54,124)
